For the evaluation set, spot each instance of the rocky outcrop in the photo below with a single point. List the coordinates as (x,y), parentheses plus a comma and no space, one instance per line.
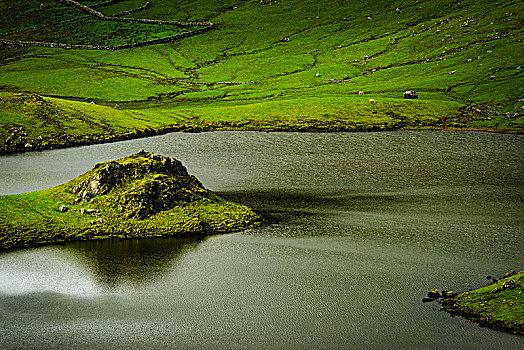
(141,185)
(107,176)
(410,95)
(435,294)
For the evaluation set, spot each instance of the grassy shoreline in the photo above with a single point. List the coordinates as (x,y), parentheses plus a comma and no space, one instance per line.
(498,305)
(30,122)
(225,127)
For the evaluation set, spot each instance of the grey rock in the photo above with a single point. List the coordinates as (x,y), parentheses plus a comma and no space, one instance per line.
(411,95)
(509,284)
(434,294)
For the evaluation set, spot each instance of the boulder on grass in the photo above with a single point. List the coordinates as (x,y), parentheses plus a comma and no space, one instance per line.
(410,95)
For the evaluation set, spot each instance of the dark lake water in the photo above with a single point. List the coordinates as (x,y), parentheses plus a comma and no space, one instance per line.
(358,228)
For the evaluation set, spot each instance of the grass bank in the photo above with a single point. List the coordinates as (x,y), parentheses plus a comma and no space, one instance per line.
(499,305)
(34,122)
(142,195)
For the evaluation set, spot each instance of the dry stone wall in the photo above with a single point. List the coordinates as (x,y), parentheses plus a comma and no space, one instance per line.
(83,8)
(105,47)
(206,27)
(217,83)
(138,9)
(130,20)
(105,3)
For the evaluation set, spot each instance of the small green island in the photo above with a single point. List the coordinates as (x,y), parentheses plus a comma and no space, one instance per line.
(498,305)
(141,195)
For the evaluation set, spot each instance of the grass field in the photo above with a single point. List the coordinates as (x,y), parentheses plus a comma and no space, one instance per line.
(464,59)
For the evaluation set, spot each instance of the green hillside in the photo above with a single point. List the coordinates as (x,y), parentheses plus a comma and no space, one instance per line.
(302,64)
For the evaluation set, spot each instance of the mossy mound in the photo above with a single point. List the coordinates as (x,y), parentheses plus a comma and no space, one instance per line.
(142,195)
(499,305)
(142,185)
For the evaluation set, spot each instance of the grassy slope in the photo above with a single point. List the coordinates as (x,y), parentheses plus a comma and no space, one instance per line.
(379,50)
(502,310)
(33,218)
(50,122)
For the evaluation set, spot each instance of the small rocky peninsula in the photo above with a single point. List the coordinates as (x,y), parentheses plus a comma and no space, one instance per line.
(141,195)
(497,305)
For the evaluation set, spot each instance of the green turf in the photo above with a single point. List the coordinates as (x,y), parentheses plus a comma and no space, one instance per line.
(462,57)
(494,305)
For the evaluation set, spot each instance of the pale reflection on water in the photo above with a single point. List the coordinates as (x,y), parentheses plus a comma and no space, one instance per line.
(90,268)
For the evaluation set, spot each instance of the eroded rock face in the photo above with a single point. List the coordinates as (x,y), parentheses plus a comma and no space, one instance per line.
(160,193)
(109,175)
(142,184)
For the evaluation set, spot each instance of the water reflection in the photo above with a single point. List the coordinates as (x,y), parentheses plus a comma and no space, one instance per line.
(133,263)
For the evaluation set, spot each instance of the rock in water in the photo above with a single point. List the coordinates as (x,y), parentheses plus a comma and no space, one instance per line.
(434,294)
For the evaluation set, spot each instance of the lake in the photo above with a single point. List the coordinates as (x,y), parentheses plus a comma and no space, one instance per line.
(358,228)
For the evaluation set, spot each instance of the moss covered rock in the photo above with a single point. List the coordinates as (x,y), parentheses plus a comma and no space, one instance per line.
(142,184)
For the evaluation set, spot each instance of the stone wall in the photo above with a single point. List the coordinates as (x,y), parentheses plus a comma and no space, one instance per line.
(105,47)
(130,20)
(206,27)
(217,83)
(83,8)
(338,81)
(138,9)
(105,3)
